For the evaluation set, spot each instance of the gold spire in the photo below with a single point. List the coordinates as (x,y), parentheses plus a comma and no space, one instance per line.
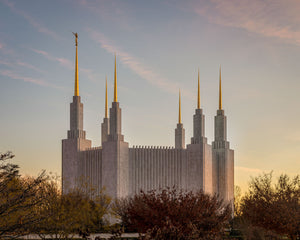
(179,114)
(198,103)
(220,91)
(106,108)
(115,85)
(76,89)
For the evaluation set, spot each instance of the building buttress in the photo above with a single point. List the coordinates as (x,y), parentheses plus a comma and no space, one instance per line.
(76,140)
(223,163)
(199,157)
(115,155)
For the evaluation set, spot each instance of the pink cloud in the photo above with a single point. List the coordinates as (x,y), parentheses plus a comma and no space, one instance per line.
(62,61)
(36,81)
(67,64)
(40,28)
(117,13)
(277,19)
(16,61)
(89,73)
(27,65)
(41,52)
(136,65)
(20,63)
(4,62)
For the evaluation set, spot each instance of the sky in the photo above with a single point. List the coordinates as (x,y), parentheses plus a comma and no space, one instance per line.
(159,45)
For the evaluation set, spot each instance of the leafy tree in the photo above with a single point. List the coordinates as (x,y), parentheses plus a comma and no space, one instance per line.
(172,214)
(36,205)
(71,213)
(119,210)
(19,201)
(237,201)
(274,207)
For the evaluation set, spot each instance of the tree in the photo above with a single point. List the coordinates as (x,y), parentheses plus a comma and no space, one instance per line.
(237,201)
(18,198)
(274,207)
(36,205)
(71,213)
(172,214)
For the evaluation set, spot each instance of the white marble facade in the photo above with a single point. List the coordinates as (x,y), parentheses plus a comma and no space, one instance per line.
(124,170)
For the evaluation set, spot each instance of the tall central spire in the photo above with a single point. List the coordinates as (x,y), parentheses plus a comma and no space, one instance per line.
(220,90)
(76,89)
(179,113)
(198,103)
(115,85)
(179,131)
(106,107)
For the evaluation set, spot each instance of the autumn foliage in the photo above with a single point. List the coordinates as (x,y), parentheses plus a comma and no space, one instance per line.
(36,205)
(273,207)
(72,213)
(19,198)
(172,214)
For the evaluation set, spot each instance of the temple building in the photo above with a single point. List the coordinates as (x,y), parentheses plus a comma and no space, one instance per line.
(123,170)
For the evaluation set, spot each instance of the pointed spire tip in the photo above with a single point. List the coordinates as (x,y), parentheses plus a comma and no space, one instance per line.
(179,113)
(220,90)
(115,82)
(106,105)
(76,89)
(198,102)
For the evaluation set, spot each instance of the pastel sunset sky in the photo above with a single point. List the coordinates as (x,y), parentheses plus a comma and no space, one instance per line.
(159,45)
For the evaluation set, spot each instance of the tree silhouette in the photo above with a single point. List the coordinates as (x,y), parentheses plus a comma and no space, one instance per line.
(19,200)
(274,207)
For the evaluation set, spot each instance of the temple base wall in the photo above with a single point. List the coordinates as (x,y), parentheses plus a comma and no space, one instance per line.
(223,166)
(70,163)
(115,168)
(199,167)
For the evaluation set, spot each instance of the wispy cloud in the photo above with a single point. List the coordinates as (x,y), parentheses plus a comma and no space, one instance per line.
(27,65)
(4,49)
(67,64)
(37,25)
(4,62)
(62,61)
(270,18)
(293,136)
(12,59)
(136,65)
(22,64)
(16,76)
(89,73)
(118,13)
(248,170)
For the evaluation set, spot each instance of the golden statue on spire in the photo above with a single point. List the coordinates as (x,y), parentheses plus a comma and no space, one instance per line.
(76,38)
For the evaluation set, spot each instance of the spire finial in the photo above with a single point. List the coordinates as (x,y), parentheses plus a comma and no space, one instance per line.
(198,103)
(76,89)
(179,114)
(115,85)
(220,90)
(106,108)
